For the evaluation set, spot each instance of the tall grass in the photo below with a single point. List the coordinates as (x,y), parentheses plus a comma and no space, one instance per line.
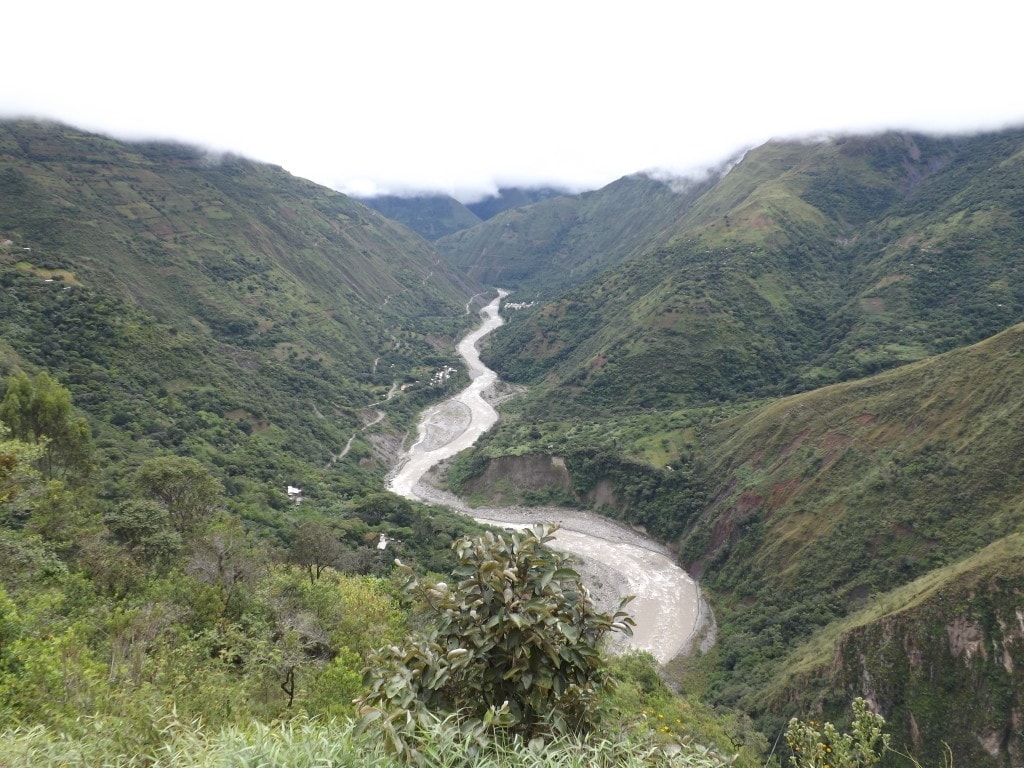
(314,744)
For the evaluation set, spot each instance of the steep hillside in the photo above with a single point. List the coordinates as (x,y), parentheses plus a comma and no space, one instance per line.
(215,306)
(826,501)
(430,216)
(805,264)
(784,389)
(437,215)
(876,521)
(542,248)
(959,626)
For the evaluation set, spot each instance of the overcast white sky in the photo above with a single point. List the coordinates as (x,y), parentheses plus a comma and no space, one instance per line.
(389,95)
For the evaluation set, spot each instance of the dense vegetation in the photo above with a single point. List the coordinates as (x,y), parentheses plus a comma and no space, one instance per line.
(515,644)
(219,309)
(803,266)
(182,339)
(767,369)
(696,366)
(539,249)
(159,630)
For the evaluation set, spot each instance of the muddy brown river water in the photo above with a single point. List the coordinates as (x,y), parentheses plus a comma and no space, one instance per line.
(614,560)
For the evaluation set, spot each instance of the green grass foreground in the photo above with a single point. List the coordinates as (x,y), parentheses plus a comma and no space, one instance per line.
(302,743)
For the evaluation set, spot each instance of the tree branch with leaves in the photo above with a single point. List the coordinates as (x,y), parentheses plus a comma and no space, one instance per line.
(515,642)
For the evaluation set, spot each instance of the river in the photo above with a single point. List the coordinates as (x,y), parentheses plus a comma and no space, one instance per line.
(614,560)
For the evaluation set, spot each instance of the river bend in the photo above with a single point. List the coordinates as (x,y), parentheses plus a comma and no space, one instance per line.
(615,560)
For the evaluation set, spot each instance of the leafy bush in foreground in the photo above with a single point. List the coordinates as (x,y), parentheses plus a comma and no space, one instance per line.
(825,747)
(514,644)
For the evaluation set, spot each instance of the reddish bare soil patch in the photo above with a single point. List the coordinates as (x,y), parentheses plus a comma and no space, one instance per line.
(834,444)
(781,493)
(163,230)
(748,502)
(832,440)
(723,532)
(667,319)
(794,443)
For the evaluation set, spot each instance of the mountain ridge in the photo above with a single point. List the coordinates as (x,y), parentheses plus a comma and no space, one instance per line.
(435,215)
(803,374)
(802,298)
(811,388)
(273,289)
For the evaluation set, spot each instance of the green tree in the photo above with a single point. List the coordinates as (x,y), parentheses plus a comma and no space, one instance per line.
(17,473)
(323,631)
(10,629)
(231,560)
(315,548)
(65,517)
(516,641)
(39,411)
(184,486)
(144,527)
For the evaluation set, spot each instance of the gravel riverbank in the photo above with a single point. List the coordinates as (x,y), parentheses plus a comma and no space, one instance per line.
(614,560)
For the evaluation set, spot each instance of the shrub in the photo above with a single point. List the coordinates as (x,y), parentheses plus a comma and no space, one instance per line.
(827,748)
(515,643)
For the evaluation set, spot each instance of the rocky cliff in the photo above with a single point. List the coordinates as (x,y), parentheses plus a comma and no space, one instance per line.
(945,667)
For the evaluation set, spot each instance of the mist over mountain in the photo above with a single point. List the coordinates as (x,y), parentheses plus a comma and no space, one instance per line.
(490,206)
(806,264)
(435,215)
(656,379)
(217,285)
(801,372)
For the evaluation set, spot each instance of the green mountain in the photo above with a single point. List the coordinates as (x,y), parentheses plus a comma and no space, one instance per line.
(802,372)
(430,216)
(782,388)
(804,265)
(856,504)
(937,655)
(217,307)
(822,525)
(545,247)
(511,197)
(434,216)
(182,338)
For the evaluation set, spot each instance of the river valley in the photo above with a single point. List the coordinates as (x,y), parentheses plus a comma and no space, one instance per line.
(614,560)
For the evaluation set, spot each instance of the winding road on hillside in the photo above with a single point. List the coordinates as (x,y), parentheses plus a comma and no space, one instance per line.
(615,560)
